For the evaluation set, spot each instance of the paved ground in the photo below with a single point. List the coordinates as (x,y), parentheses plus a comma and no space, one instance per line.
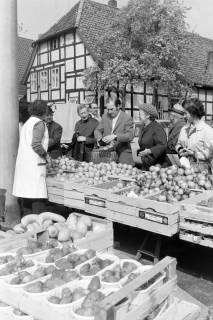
(194,263)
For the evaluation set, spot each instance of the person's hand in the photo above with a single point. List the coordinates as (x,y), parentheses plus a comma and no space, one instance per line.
(109,138)
(81,139)
(144,153)
(186,153)
(65,146)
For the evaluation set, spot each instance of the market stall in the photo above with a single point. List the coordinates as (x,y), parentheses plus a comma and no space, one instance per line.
(154,201)
(33,287)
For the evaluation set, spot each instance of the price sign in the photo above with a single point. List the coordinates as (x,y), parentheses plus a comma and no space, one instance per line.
(146,215)
(95,202)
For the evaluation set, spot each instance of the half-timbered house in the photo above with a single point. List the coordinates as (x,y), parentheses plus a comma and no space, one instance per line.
(62,53)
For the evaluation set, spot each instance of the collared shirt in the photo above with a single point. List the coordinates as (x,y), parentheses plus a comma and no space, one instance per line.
(114,120)
(198,138)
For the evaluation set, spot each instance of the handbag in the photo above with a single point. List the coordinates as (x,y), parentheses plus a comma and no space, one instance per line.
(105,154)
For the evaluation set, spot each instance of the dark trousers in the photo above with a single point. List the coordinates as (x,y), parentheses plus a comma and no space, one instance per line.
(36,205)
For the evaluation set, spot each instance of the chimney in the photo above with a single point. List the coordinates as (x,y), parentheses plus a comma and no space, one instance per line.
(112,3)
(210,62)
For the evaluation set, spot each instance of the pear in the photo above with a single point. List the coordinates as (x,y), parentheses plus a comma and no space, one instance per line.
(94,284)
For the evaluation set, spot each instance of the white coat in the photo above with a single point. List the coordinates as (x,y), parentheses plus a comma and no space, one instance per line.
(30,178)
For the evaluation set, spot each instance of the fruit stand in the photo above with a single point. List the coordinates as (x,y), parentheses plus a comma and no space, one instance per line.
(153,200)
(34,287)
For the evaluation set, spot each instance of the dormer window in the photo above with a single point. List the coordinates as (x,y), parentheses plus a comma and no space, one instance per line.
(54,44)
(210,62)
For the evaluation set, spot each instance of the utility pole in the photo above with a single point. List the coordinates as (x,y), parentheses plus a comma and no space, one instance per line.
(9,111)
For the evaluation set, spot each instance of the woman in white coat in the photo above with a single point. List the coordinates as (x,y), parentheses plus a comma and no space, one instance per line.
(30,170)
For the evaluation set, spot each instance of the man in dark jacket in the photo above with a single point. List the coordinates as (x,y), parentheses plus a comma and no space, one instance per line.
(83,139)
(177,122)
(55,133)
(116,128)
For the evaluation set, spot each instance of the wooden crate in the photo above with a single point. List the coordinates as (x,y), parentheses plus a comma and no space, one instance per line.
(96,198)
(111,307)
(55,189)
(196,222)
(144,213)
(37,306)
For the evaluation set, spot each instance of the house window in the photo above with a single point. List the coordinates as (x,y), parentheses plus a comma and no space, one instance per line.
(55,78)
(54,44)
(33,82)
(43,80)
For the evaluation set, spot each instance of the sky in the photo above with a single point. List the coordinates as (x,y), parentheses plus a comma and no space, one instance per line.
(37,16)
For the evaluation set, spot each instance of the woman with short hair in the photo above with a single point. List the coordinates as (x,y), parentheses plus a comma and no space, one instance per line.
(196,138)
(30,169)
(152,138)
(83,139)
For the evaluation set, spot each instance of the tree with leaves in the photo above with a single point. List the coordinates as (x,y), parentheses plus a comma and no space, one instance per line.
(146,41)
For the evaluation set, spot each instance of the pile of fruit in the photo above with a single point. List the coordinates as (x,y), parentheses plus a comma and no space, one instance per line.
(34,246)
(118,272)
(91,301)
(6,258)
(24,277)
(58,253)
(60,165)
(75,259)
(35,223)
(93,173)
(172,184)
(57,279)
(93,267)
(68,295)
(71,229)
(18,264)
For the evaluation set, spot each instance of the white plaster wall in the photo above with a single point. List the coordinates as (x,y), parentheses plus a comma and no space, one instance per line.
(79,49)
(70,65)
(43,47)
(80,63)
(28,95)
(34,96)
(62,73)
(55,55)
(44,58)
(89,62)
(79,83)
(44,96)
(55,95)
(62,91)
(70,83)
(77,38)
(69,52)
(62,53)
(69,38)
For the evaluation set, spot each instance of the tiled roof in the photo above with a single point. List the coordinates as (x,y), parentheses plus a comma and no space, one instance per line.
(68,21)
(94,20)
(23,55)
(196,59)
(91,19)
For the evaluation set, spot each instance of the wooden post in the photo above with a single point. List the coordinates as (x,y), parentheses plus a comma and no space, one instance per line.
(9,102)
